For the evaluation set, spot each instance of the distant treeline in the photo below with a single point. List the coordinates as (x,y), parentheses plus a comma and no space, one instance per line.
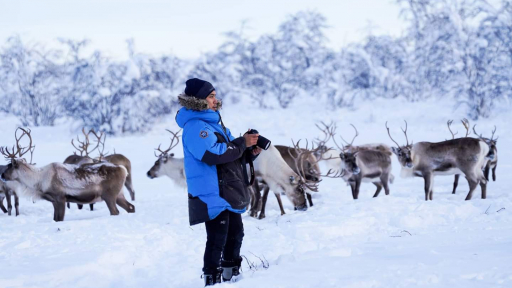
(455,49)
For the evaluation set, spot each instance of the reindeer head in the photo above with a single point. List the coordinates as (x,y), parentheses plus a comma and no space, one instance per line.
(349,162)
(491,142)
(298,197)
(18,163)
(164,156)
(306,164)
(402,152)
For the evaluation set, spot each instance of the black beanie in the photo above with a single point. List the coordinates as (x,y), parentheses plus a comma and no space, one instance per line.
(198,88)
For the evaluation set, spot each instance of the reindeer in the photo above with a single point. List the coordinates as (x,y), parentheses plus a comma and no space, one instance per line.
(311,169)
(365,163)
(457,156)
(273,171)
(299,160)
(6,192)
(61,183)
(168,165)
(312,174)
(83,147)
(85,158)
(492,157)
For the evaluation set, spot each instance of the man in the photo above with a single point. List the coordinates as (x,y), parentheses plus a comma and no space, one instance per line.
(217,186)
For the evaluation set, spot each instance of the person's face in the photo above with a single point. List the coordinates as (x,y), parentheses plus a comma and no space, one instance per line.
(212,101)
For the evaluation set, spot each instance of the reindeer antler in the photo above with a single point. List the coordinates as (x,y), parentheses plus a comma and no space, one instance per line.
(405,133)
(100,143)
(300,156)
(449,128)
(492,136)
(175,137)
(474,131)
(328,130)
(20,151)
(357,134)
(83,146)
(465,122)
(481,136)
(398,145)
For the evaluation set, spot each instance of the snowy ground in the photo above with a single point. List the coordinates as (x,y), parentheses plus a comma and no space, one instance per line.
(392,241)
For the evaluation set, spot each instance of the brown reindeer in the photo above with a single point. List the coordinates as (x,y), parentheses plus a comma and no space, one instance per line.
(311,171)
(61,183)
(304,166)
(168,165)
(367,166)
(492,157)
(85,158)
(457,156)
(365,163)
(6,192)
(271,169)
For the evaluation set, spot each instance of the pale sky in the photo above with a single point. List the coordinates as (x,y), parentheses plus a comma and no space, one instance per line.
(186,28)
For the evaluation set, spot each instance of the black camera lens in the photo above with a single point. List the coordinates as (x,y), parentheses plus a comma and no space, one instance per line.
(263,142)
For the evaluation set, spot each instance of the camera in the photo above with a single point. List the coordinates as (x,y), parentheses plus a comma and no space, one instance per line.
(263,142)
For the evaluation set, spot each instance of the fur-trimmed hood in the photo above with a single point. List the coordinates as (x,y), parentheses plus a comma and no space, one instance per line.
(194,103)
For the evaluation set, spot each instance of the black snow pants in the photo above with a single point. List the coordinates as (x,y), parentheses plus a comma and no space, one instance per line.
(224,239)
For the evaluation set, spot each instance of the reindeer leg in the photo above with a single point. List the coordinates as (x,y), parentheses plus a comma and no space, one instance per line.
(487,170)
(55,209)
(356,189)
(384,179)
(121,201)
(128,184)
(2,204)
(379,187)
(473,182)
(16,203)
(91,206)
(60,208)
(9,204)
(494,172)
(431,193)
(427,176)
(256,196)
(111,204)
(264,202)
(280,203)
(69,206)
(80,206)
(353,189)
(483,186)
(455,182)
(310,199)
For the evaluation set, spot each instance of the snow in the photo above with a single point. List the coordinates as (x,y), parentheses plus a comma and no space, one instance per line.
(398,240)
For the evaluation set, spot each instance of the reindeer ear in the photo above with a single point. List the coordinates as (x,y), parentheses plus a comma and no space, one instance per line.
(342,156)
(172,155)
(395,150)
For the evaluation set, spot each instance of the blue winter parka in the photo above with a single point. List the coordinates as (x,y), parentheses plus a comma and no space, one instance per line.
(213,166)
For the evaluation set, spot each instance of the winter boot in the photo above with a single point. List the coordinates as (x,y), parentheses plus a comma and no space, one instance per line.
(230,268)
(212,276)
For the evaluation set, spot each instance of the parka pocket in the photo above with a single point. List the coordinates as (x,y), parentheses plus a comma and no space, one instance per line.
(235,192)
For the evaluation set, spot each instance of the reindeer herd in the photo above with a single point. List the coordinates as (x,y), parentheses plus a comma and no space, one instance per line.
(293,171)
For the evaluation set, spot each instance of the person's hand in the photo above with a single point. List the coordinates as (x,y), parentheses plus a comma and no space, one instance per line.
(256,151)
(251,139)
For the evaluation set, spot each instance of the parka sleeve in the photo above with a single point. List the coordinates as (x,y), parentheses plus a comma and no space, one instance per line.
(201,142)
